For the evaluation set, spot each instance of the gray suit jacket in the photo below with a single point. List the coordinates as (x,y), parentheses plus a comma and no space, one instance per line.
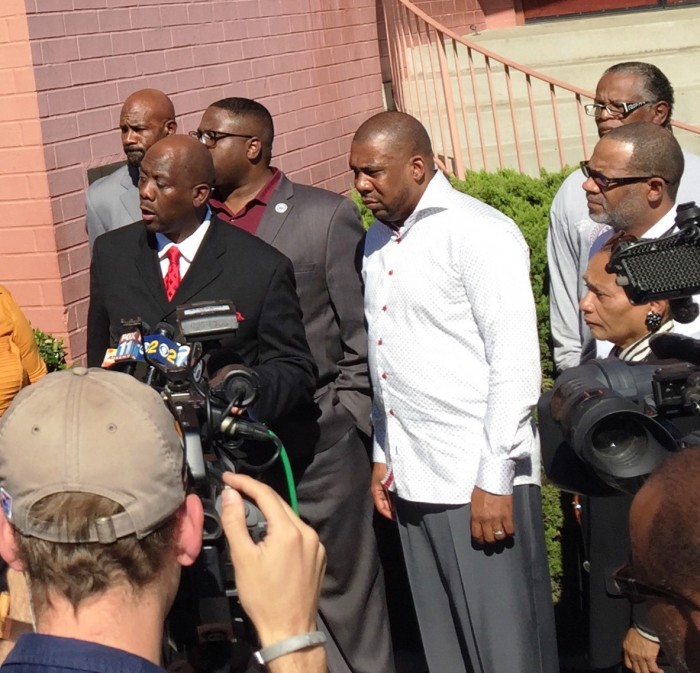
(111,202)
(322,234)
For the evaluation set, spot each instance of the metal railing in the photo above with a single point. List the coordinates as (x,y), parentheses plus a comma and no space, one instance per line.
(483,110)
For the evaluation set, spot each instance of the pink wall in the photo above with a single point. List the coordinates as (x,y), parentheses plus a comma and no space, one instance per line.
(28,262)
(314,63)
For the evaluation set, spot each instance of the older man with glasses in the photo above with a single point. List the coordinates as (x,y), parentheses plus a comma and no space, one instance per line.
(627,93)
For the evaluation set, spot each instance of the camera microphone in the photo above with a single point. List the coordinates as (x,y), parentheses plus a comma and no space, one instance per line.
(676,347)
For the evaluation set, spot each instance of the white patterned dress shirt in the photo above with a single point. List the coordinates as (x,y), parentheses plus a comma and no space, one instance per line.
(453,349)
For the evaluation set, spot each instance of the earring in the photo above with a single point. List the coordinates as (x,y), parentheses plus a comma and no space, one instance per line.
(653,321)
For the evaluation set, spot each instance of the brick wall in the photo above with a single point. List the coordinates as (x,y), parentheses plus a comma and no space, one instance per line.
(463,16)
(28,263)
(314,63)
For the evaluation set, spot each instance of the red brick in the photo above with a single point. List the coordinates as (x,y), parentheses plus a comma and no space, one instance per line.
(151,62)
(200,12)
(113,20)
(173,15)
(61,102)
(52,76)
(89,4)
(101,95)
(106,145)
(175,59)
(16,240)
(46,25)
(71,152)
(84,72)
(65,180)
(92,46)
(73,205)
(120,66)
(158,38)
(59,128)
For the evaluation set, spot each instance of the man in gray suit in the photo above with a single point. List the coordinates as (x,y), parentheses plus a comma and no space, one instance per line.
(321,233)
(113,201)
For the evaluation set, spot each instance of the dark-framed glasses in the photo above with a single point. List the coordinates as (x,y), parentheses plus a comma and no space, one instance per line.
(617,110)
(638,591)
(605,183)
(210,138)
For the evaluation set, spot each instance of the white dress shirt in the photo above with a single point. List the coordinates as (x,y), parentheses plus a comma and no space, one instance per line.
(453,349)
(188,248)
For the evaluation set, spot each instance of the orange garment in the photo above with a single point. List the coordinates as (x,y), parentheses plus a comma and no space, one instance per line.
(20,362)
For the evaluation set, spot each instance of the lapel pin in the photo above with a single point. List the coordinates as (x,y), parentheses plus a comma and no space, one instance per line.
(281,208)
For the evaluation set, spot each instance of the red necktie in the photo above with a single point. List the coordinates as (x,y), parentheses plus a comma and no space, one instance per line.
(171,279)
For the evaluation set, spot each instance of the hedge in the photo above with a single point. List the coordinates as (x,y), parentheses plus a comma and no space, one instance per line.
(526,200)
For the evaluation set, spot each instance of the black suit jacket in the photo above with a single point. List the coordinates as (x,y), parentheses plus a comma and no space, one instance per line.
(322,234)
(126,282)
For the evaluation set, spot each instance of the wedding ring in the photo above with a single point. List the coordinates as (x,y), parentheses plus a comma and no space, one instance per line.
(499,533)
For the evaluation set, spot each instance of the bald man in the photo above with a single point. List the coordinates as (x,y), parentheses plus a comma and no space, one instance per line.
(177,254)
(146,117)
(454,361)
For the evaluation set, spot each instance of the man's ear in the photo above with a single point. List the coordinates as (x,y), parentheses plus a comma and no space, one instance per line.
(657,188)
(418,168)
(659,111)
(201,194)
(254,148)
(8,544)
(189,530)
(171,127)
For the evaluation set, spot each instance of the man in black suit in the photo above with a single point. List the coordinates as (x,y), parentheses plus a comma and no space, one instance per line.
(131,268)
(321,233)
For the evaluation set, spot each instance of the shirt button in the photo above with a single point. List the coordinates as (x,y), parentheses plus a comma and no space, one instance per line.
(379,342)
(384,375)
(391,412)
(384,307)
(391,272)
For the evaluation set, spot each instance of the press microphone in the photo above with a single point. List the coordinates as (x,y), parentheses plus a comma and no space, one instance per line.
(161,347)
(128,354)
(676,347)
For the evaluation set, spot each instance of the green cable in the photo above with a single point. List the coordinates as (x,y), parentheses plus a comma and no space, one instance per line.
(293,502)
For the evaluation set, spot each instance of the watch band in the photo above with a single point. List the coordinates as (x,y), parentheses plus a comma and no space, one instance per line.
(293,644)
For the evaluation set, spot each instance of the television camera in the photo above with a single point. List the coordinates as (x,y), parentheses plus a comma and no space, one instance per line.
(607,424)
(212,396)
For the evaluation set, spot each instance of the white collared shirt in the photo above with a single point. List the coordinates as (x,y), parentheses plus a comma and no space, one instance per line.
(188,248)
(453,349)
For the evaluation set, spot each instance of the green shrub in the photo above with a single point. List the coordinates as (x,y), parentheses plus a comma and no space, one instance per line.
(52,350)
(526,200)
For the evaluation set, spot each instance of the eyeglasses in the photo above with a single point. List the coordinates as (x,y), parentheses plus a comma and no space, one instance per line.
(615,110)
(638,591)
(210,138)
(605,183)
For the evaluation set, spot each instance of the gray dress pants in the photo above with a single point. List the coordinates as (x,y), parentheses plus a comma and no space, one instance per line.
(481,609)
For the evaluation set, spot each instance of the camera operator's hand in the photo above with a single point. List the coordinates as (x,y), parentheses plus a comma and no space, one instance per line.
(492,516)
(381,498)
(640,653)
(278,579)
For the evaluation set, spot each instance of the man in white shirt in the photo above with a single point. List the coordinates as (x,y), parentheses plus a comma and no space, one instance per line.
(626,93)
(454,360)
